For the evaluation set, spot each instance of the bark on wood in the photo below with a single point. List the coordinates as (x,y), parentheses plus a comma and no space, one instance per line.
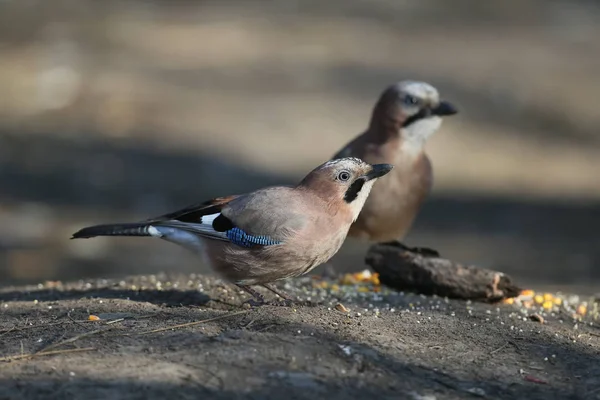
(407,270)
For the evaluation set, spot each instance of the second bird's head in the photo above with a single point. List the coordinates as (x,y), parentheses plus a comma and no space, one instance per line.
(345,182)
(413,109)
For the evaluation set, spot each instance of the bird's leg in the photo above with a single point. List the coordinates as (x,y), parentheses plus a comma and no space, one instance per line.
(287,298)
(423,251)
(258,299)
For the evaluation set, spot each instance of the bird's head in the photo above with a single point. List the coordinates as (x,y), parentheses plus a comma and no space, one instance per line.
(345,182)
(411,109)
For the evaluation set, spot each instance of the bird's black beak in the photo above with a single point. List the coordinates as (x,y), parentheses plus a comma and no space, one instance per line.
(378,171)
(444,108)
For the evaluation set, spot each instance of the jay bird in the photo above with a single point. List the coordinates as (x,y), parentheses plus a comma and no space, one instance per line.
(405,116)
(270,234)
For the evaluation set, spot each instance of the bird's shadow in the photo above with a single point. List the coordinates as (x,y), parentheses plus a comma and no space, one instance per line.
(166,297)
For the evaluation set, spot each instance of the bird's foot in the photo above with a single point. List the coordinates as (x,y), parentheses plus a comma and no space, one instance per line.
(288,300)
(278,292)
(293,303)
(258,299)
(422,251)
(252,303)
(278,303)
(282,303)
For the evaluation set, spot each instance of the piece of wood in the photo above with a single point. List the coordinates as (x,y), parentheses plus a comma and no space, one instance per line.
(427,273)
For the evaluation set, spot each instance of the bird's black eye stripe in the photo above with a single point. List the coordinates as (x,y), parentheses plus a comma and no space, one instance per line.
(353,190)
(410,100)
(343,176)
(423,113)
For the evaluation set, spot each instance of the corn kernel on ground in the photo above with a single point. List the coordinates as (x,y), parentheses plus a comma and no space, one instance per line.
(368,282)
(529,299)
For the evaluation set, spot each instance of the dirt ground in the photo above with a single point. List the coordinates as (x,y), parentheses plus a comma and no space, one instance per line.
(119,110)
(389,345)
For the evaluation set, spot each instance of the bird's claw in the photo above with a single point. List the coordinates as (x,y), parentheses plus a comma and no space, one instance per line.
(279,303)
(283,303)
(254,303)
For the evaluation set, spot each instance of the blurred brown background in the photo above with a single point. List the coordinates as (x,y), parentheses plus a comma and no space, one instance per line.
(118,110)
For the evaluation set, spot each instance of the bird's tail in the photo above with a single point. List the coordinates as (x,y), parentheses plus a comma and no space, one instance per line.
(129,229)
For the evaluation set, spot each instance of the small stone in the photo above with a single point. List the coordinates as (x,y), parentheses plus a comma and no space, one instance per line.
(537,318)
(341,308)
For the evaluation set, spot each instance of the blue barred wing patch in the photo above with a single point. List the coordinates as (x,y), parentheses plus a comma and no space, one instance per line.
(241,238)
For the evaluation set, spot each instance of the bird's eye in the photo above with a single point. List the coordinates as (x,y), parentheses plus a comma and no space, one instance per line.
(410,100)
(344,176)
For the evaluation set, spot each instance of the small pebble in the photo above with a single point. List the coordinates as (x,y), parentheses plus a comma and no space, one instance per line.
(537,318)
(341,308)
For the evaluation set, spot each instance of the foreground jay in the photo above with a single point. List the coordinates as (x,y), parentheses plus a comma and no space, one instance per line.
(405,116)
(270,234)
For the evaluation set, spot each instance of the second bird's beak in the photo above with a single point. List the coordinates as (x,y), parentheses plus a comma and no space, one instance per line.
(444,108)
(377,171)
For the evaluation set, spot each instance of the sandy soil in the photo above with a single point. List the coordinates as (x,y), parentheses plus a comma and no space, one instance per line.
(389,345)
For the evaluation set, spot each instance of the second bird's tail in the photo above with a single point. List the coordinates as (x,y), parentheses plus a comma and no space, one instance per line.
(129,229)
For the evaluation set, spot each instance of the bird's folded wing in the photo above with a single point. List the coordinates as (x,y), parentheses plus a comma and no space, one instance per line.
(197,218)
(256,219)
(275,213)
(194,212)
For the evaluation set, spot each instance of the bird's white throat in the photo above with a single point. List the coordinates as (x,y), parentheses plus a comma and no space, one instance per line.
(416,134)
(358,203)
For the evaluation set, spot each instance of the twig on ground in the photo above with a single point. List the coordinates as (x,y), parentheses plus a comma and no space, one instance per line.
(14,328)
(7,331)
(193,323)
(249,323)
(45,353)
(499,348)
(114,321)
(75,338)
